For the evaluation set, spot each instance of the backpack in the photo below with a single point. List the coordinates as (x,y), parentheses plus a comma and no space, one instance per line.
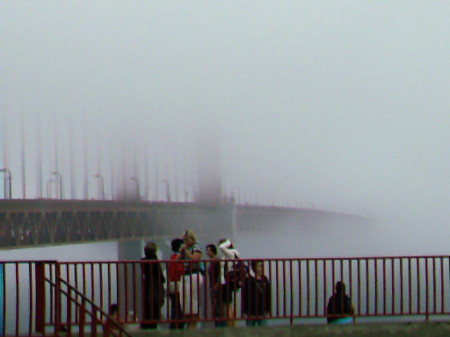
(234,278)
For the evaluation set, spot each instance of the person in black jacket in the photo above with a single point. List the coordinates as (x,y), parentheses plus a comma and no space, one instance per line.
(214,278)
(256,296)
(152,287)
(339,307)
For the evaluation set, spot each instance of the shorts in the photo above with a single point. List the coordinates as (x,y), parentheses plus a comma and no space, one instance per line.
(190,293)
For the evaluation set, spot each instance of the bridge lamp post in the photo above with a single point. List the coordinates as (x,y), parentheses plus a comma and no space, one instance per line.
(136,180)
(56,173)
(7,171)
(192,190)
(49,184)
(236,195)
(102,186)
(167,189)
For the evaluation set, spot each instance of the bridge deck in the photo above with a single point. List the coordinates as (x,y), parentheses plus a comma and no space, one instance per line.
(25,223)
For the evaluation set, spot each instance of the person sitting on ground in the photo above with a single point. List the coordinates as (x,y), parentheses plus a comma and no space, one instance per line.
(339,309)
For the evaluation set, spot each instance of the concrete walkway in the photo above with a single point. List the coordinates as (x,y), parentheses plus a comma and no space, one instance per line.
(357,330)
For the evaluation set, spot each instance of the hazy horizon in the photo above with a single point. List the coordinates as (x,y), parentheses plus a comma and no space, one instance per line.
(336,105)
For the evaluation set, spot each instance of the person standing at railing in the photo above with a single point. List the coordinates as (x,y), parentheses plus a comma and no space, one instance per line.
(192,280)
(153,287)
(340,308)
(214,281)
(256,296)
(229,289)
(174,274)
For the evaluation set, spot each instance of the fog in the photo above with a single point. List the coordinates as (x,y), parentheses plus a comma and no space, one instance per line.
(334,105)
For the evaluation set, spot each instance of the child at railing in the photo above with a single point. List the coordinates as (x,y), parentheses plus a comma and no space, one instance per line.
(340,306)
(110,326)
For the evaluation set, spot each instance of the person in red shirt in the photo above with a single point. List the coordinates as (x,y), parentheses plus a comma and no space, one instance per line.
(174,274)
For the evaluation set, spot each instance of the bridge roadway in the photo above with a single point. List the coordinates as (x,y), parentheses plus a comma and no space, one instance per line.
(43,222)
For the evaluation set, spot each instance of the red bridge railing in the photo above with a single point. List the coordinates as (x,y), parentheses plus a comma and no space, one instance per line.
(299,289)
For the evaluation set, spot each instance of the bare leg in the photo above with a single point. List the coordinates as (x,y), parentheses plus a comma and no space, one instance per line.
(231,316)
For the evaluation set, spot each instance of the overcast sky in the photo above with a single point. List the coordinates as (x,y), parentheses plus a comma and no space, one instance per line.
(344,105)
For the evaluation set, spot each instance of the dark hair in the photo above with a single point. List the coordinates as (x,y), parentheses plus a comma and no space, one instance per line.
(150,250)
(340,287)
(253,263)
(114,308)
(213,248)
(176,244)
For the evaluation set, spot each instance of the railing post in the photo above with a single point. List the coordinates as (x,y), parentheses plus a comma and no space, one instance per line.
(58,301)
(82,315)
(69,312)
(40,297)
(94,322)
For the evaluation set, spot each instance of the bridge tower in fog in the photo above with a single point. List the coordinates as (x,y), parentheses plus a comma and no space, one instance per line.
(209,172)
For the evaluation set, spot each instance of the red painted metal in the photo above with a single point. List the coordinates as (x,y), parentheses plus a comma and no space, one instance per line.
(17,299)
(418,284)
(276,284)
(367,287)
(69,313)
(415,285)
(350,280)
(434,287)
(384,286)
(135,298)
(427,307)
(375,271)
(410,286)
(308,290)
(442,286)
(30,282)
(401,286)
(316,292)
(40,297)
(291,292)
(284,287)
(325,294)
(125,275)
(393,285)
(359,287)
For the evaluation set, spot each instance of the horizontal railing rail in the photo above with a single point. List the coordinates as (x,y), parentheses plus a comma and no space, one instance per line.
(299,288)
(416,287)
(84,308)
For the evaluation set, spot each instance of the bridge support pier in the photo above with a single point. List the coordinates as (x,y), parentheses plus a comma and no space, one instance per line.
(130,250)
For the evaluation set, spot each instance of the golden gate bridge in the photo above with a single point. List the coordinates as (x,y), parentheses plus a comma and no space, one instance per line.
(133,199)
